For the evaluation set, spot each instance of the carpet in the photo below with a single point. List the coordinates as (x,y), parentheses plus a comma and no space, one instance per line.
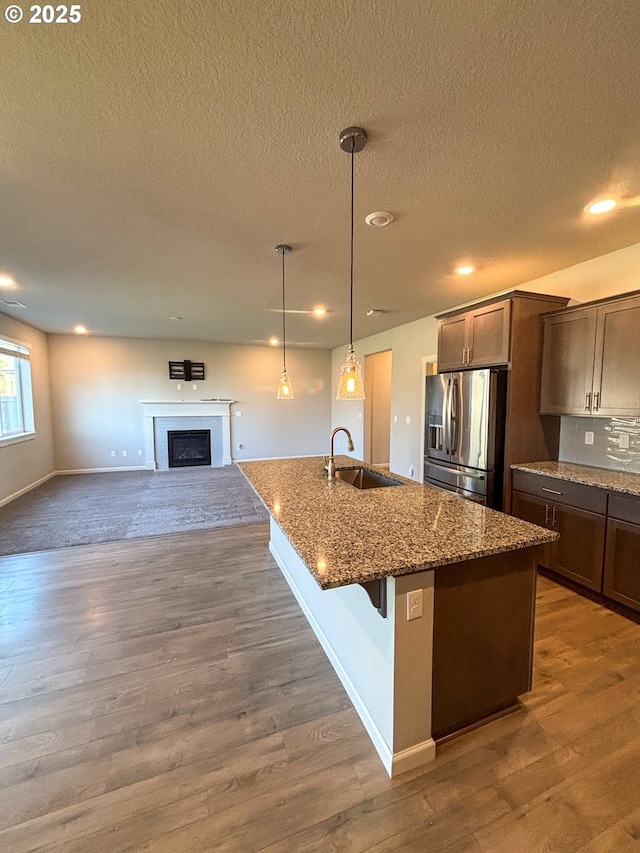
(85,509)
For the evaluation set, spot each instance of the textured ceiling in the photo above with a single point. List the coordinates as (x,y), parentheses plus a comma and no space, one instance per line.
(155,153)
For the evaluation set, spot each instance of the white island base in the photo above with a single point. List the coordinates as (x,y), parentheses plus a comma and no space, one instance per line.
(372,656)
(471,650)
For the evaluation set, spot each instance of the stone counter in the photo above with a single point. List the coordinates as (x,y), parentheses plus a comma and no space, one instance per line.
(602,478)
(345,535)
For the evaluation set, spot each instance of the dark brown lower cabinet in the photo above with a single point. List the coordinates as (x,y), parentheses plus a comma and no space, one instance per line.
(599,545)
(579,551)
(622,555)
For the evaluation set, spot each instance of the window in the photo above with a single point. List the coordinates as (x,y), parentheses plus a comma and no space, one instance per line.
(16,399)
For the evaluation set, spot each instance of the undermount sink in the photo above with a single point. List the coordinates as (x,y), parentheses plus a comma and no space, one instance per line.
(365,478)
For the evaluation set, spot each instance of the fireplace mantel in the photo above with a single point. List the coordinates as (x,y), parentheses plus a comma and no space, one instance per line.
(154,409)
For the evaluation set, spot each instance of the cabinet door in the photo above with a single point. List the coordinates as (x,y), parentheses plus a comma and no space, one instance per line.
(488,334)
(567,363)
(579,553)
(616,380)
(622,563)
(452,341)
(537,511)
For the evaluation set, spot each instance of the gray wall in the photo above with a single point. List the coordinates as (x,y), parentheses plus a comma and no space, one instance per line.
(24,463)
(92,404)
(98,383)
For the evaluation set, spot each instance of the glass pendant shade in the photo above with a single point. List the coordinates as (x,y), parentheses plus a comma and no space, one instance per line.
(285,388)
(350,385)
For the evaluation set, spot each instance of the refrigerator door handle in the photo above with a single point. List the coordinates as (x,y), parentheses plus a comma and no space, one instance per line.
(446,420)
(454,405)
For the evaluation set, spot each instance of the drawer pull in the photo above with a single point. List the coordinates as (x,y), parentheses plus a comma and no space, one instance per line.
(587,405)
(546,513)
(551,491)
(553,516)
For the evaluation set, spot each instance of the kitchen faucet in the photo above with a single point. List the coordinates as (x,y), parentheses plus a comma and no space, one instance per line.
(331,465)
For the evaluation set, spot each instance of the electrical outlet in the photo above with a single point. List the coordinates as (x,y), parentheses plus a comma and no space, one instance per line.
(588,437)
(139,451)
(179,386)
(194,386)
(125,453)
(395,419)
(407,420)
(411,470)
(113,454)
(623,441)
(414,604)
(238,413)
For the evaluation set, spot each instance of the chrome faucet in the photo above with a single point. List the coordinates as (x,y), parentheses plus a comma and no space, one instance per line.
(331,465)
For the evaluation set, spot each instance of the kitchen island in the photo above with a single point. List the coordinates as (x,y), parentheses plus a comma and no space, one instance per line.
(423,601)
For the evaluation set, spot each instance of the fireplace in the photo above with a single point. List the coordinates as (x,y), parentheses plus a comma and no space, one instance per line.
(189,447)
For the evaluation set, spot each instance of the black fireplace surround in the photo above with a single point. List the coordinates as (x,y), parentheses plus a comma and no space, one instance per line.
(189,447)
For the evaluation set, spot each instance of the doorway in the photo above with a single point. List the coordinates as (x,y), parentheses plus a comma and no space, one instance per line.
(377,408)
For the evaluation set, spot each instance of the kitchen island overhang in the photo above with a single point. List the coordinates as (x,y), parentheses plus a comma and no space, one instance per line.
(411,681)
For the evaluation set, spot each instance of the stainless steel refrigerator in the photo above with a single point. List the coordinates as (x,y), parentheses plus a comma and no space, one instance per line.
(464,433)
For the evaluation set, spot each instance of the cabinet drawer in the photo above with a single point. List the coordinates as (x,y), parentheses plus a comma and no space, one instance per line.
(561,491)
(624,508)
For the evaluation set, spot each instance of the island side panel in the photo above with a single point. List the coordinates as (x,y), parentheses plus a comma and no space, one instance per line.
(483,638)
(357,640)
(413,745)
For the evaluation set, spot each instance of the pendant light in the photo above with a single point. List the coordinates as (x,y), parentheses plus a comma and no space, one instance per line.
(350,385)
(285,388)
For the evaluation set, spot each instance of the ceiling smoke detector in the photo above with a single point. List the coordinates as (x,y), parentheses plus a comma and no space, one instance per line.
(380,218)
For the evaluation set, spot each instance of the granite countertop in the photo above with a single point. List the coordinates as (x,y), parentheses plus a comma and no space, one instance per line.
(612,481)
(345,535)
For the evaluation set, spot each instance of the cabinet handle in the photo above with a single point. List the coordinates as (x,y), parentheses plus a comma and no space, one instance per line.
(596,401)
(464,355)
(553,516)
(551,491)
(587,405)
(469,355)
(546,513)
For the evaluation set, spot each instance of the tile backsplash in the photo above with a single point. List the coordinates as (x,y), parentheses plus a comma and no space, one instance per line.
(607,450)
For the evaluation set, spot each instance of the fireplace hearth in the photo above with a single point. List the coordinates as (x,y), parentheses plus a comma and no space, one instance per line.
(189,447)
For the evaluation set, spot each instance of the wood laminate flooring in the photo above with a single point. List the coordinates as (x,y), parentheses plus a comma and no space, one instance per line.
(167,695)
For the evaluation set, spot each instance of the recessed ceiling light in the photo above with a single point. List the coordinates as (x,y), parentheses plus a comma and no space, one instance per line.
(319,312)
(603,205)
(274,341)
(6,281)
(13,303)
(465,269)
(176,318)
(379,218)
(80,330)
(374,312)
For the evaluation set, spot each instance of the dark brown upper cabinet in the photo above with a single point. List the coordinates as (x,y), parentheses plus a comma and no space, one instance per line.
(478,337)
(591,359)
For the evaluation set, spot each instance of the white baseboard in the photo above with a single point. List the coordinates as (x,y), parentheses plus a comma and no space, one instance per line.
(27,489)
(102,470)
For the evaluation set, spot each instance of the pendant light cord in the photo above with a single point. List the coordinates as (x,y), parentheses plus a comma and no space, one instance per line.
(284,336)
(351,302)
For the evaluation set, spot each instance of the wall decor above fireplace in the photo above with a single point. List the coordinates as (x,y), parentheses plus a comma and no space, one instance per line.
(187,370)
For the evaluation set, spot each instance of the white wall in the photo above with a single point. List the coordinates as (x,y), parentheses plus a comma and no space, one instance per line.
(25,463)
(97,385)
(608,275)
